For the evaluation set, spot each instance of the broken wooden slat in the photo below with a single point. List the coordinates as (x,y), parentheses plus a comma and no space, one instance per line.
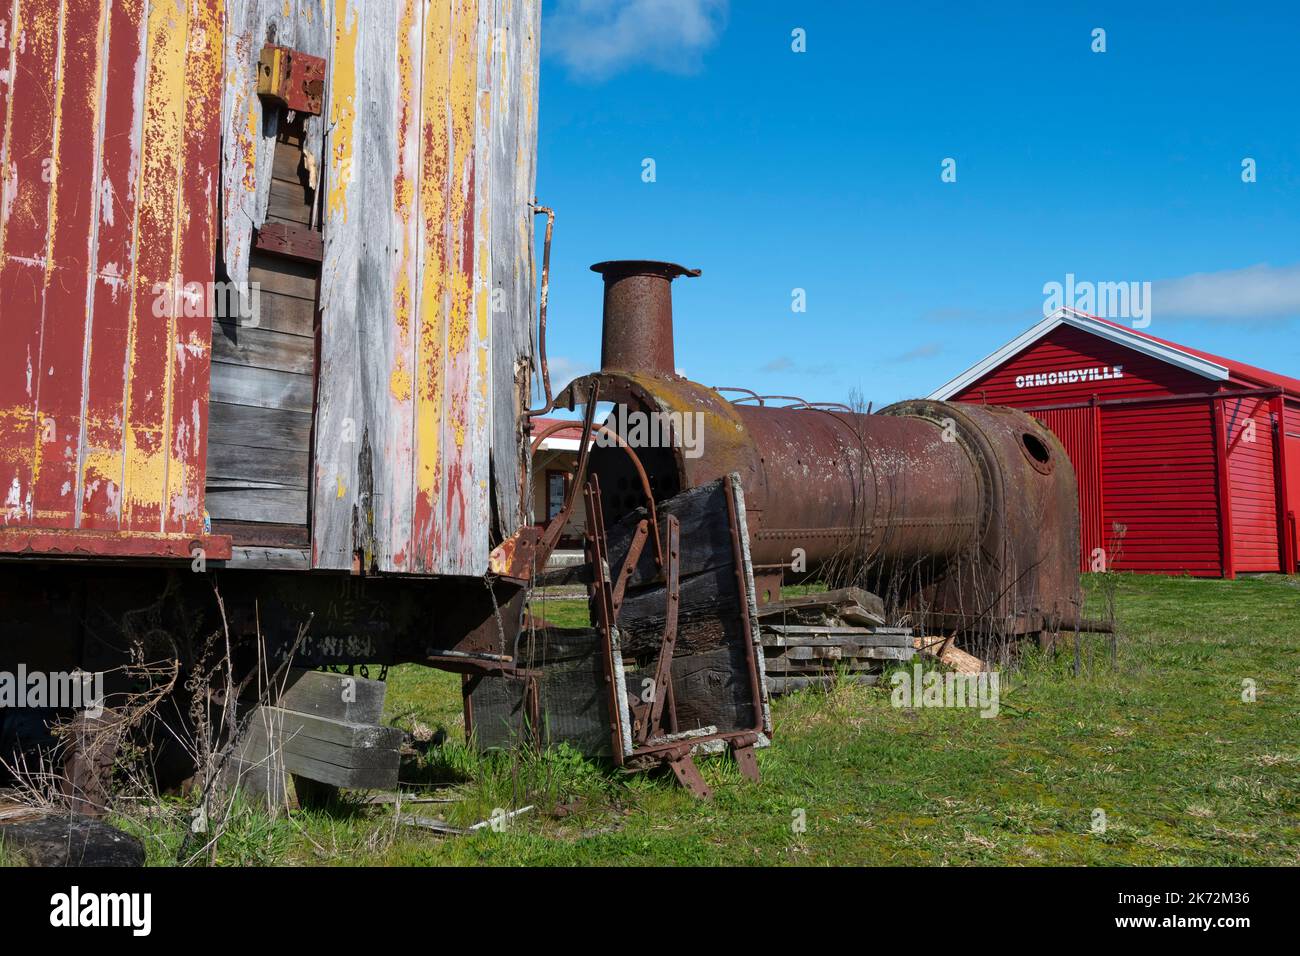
(948,653)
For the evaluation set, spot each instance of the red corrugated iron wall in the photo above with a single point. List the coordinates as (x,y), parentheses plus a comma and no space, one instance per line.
(1077,428)
(1291,440)
(108,157)
(1160,478)
(1251,471)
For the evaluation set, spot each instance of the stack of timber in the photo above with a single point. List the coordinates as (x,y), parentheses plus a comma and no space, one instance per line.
(811,639)
(321,728)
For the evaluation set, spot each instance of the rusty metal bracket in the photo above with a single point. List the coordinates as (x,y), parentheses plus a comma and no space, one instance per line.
(664,667)
(742,751)
(602,601)
(687,774)
(629,564)
(291,79)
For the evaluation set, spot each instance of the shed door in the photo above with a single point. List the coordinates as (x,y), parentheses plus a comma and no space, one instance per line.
(1161,510)
(1249,426)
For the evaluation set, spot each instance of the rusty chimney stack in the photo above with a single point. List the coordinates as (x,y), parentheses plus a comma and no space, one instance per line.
(637,332)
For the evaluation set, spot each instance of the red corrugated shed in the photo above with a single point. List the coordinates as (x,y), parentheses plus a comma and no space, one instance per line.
(1188,462)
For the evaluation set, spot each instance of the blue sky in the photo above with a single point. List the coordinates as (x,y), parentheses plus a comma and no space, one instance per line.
(820,171)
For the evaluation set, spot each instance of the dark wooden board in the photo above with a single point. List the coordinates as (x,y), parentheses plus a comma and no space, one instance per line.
(278,506)
(263,388)
(288,469)
(326,694)
(262,348)
(254,427)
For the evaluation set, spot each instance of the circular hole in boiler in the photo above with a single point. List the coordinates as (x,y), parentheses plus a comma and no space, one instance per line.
(1036,449)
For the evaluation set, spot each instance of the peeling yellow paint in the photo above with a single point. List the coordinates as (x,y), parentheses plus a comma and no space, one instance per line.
(400,382)
(434,185)
(343,92)
(145,466)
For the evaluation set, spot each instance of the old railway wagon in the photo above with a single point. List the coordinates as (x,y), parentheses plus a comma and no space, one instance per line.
(266,283)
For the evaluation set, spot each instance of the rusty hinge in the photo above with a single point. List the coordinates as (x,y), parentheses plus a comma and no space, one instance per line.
(292,79)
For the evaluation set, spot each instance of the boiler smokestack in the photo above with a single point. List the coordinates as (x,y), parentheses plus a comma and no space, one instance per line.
(637,332)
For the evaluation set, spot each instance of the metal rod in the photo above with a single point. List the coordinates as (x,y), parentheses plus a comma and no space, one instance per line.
(549,213)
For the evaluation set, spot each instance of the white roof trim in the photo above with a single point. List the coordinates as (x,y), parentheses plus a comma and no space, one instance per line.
(552,443)
(1087,323)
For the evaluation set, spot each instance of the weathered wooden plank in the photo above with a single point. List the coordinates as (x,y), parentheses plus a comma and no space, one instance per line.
(273,465)
(284,276)
(265,388)
(340,411)
(263,535)
(255,427)
(257,558)
(435,186)
(283,313)
(261,348)
(357,700)
(377,481)
(514,146)
(281,506)
(287,202)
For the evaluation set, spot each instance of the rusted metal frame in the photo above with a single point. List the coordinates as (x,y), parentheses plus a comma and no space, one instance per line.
(683,767)
(738,559)
(742,751)
(629,564)
(750,393)
(541,317)
(1223,485)
(664,668)
(602,597)
(636,463)
(79,543)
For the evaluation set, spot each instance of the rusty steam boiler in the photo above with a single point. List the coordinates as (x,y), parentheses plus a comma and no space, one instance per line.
(961,517)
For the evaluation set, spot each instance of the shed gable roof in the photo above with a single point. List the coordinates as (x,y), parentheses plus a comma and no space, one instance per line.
(1208,366)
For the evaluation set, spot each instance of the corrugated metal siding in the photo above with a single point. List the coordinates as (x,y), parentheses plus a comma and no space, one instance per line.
(1291,432)
(1066,349)
(1159,482)
(1077,428)
(1251,464)
(108,164)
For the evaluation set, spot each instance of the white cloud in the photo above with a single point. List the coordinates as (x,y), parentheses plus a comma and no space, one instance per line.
(928,350)
(598,38)
(1254,294)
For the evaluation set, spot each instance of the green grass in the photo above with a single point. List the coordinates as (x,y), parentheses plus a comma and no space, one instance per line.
(1161,741)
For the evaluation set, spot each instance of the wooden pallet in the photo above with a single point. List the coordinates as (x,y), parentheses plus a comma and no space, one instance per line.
(803,655)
